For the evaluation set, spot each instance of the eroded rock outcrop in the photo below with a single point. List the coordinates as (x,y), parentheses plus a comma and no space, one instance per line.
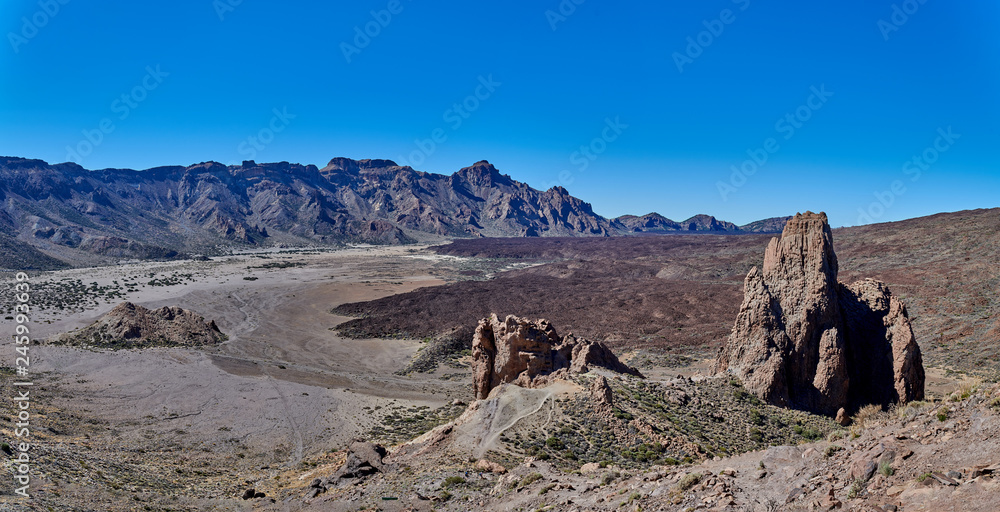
(131,326)
(804,340)
(529,354)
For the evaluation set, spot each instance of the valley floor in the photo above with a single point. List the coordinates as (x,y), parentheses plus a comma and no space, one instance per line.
(276,405)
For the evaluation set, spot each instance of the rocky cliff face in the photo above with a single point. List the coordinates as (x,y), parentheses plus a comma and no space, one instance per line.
(804,340)
(528,354)
(132,326)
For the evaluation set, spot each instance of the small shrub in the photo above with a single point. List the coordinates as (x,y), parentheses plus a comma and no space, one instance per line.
(453,480)
(923,477)
(546,489)
(622,415)
(885,468)
(832,449)
(756,417)
(942,415)
(530,479)
(869,416)
(689,481)
(857,487)
(554,443)
(811,433)
(610,477)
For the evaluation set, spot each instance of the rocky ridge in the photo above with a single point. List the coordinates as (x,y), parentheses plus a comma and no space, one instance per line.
(804,340)
(531,354)
(132,326)
(76,214)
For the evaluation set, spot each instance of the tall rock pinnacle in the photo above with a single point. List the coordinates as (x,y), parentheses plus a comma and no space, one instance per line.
(804,340)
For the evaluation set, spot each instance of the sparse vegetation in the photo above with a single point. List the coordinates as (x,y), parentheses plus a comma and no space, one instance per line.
(885,468)
(831,450)
(689,481)
(530,479)
(856,489)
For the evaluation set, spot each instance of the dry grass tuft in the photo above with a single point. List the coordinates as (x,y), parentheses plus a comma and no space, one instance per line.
(870,416)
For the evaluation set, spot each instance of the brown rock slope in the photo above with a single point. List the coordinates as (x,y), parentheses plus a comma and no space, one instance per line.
(802,339)
(530,354)
(132,326)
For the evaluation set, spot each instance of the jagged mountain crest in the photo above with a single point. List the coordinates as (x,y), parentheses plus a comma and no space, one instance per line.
(174,209)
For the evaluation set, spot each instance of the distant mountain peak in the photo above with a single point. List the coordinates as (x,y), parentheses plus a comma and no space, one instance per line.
(483,173)
(65,210)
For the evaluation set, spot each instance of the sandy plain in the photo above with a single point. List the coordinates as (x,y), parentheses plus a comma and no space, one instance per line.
(283,388)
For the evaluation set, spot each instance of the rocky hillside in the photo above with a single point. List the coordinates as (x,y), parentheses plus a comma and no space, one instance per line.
(919,456)
(85,216)
(132,326)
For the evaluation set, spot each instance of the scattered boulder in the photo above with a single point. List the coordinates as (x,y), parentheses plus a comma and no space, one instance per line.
(804,340)
(490,467)
(842,418)
(363,459)
(600,392)
(132,326)
(529,354)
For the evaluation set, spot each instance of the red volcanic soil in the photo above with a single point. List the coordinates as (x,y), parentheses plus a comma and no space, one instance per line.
(683,291)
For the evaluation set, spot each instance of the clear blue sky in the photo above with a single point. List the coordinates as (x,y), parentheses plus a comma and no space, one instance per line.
(558,80)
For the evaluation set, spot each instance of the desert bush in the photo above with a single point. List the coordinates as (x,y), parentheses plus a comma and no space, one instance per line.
(610,477)
(966,389)
(689,481)
(885,468)
(453,480)
(869,416)
(832,449)
(530,479)
(857,487)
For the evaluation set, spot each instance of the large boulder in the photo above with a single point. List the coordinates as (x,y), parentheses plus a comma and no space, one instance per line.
(804,340)
(529,354)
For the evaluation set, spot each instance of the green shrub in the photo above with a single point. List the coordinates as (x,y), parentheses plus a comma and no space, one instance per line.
(885,468)
(689,481)
(530,479)
(554,443)
(857,487)
(453,480)
(942,415)
(832,449)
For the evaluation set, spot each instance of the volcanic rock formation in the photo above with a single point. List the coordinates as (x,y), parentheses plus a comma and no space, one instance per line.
(530,354)
(132,326)
(804,340)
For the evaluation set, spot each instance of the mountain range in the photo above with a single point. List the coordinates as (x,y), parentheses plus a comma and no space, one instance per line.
(66,212)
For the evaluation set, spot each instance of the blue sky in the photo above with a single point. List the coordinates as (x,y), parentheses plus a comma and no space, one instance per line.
(662,119)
